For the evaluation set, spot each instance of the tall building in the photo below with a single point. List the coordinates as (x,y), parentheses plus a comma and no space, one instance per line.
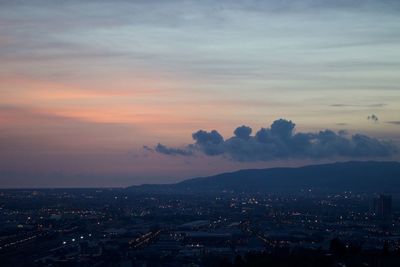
(382,206)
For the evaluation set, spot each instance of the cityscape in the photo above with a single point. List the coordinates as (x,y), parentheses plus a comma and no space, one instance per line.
(115,227)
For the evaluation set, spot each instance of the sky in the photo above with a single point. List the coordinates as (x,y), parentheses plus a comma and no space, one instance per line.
(116,93)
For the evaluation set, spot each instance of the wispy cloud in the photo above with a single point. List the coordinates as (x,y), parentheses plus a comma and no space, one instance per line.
(373,118)
(377,105)
(172,151)
(394,122)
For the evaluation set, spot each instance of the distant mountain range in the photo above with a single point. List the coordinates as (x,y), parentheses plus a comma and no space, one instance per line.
(357,176)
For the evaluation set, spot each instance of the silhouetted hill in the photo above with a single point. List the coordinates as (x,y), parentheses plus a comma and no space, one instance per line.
(367,176)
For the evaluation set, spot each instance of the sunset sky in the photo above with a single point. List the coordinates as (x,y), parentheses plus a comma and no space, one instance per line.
(88,89)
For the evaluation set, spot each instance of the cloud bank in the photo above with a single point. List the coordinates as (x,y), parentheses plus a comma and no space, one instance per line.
(280,141)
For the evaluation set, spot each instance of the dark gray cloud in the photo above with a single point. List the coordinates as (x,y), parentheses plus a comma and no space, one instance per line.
(282,128)
(243,132)
(280,141)
(172,151)
(211,143)
(373,118)
(204,138)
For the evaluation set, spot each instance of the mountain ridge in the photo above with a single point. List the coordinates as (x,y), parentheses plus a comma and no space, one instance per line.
(363,176)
